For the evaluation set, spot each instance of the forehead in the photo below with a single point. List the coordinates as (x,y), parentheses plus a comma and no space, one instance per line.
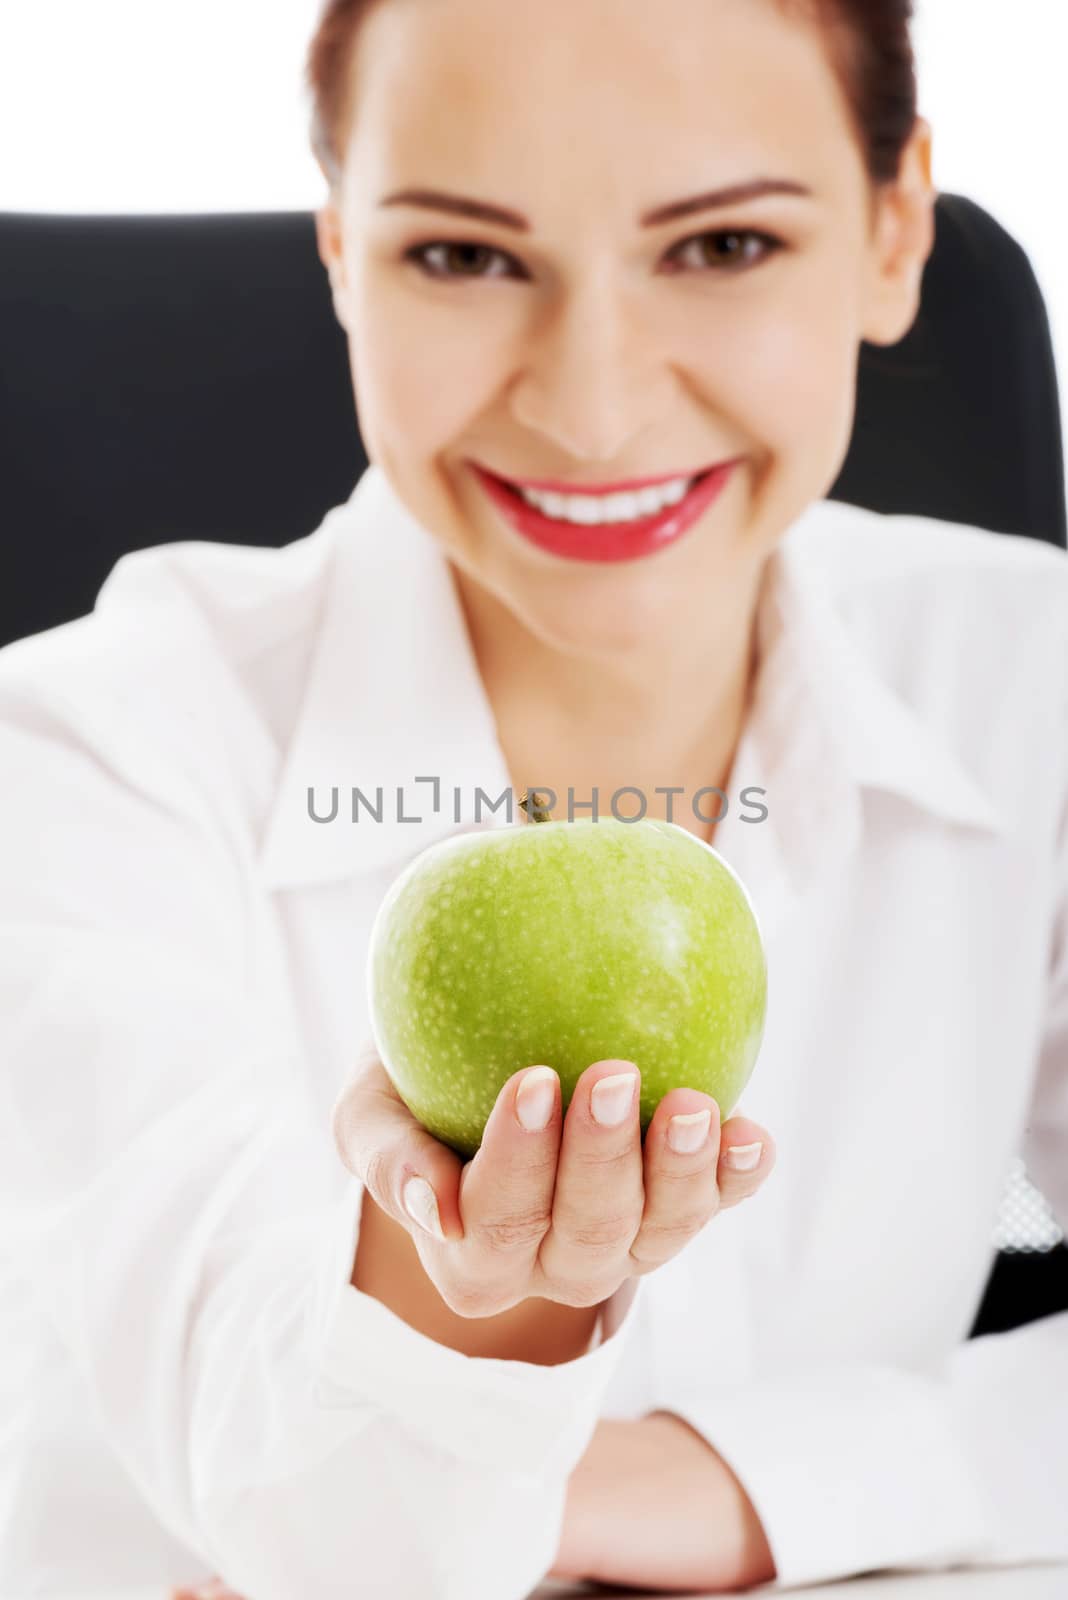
(605,94)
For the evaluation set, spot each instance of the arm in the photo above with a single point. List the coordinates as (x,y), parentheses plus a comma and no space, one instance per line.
(651,1504)
(189,1232)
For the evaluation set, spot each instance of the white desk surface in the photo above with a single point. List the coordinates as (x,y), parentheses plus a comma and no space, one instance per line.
(993,1583)
(1006,1583)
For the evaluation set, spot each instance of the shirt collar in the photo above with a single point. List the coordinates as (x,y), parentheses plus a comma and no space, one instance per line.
(817,675)
(394,695)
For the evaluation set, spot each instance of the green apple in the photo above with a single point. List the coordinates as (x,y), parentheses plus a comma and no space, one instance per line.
(564,943)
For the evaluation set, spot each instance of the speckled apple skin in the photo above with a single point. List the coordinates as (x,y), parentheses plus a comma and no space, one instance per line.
(564,943)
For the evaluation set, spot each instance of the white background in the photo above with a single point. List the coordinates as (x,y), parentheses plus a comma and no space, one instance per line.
(134,105)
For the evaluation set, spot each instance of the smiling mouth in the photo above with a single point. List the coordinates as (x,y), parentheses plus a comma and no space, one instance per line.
(605,523)
(597,506)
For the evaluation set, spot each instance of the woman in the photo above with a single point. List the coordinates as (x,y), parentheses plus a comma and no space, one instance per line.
(573,252)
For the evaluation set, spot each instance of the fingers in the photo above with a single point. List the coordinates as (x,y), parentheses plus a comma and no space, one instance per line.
(507,1187)
(411,1175)
(681,1190)
(685,1189)
(598,1200)
(560,1207)
(506,1195)
(746,1142)
(493,1210)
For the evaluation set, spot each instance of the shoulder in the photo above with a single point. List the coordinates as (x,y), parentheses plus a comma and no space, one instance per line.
(914,583)
(175,679)
(967,627)
(868,554)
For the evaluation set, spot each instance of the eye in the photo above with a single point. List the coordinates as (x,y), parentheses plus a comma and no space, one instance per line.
(453,259)
(729,250)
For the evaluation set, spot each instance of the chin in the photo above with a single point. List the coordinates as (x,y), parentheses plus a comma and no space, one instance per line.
(596,618)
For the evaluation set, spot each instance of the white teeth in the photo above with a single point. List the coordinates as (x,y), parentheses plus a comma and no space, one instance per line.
(582,508)
(649,500)
(590,509)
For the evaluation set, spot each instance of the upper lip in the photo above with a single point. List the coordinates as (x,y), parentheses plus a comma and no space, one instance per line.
(555,486)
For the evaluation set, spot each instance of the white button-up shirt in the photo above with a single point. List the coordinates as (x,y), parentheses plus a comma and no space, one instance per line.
(188,1381)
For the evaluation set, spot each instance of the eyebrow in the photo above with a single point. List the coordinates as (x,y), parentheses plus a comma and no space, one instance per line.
(482,211)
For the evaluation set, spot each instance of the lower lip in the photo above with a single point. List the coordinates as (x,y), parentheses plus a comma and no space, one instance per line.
(609,541)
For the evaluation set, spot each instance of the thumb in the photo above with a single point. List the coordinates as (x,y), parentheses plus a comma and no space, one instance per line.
(410,1175)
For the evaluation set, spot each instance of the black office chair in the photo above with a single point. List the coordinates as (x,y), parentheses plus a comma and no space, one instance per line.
(183,377)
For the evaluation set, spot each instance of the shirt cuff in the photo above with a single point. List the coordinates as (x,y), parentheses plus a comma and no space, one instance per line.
(850,1470)
(497,1414)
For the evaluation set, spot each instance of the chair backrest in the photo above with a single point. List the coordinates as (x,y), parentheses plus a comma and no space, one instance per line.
(184,377)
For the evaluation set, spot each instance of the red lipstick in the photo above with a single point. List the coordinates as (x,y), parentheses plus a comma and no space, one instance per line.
(607,541)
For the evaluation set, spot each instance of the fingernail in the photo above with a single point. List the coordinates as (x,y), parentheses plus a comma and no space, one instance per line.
(743,1157)
(421,1204)
(535,1099)
(612,1099)
(688,1131)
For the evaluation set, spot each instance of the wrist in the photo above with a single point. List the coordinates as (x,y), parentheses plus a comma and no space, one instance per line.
(388,1267)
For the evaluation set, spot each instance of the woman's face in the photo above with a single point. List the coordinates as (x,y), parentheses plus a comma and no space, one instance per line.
(583,339)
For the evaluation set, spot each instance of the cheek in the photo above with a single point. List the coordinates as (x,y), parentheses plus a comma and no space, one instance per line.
(782,365)
(800,380)
(421,371)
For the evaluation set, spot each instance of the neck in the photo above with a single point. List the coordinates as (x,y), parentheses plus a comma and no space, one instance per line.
(667,714)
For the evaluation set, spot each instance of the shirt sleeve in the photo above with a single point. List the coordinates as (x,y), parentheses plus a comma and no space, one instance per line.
(867,1467)
(181,1219)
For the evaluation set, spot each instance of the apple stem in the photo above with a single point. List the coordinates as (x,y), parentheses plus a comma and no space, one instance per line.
(536,811)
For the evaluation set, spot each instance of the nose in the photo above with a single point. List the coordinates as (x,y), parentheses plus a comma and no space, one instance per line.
(592,379)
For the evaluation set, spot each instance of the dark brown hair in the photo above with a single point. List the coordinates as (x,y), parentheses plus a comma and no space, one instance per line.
(869,40)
